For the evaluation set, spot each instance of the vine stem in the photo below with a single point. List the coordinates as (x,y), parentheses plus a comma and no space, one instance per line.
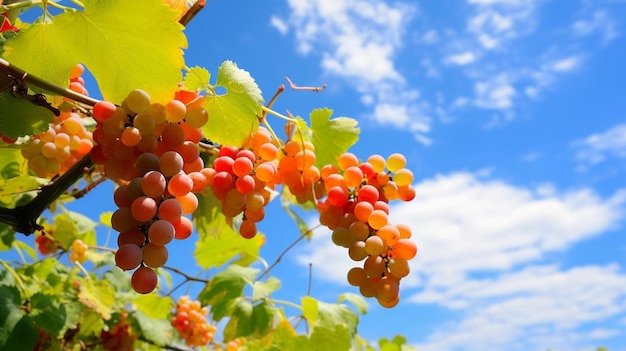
(20,75)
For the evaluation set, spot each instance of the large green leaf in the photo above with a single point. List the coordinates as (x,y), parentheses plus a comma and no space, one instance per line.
(234,114)
(99,296)
(48,313)
(9,188)
(219,242)
(225,288)
(16,329)
(157,330)
(248,320)
(331,137)
(125,44)
(20,117)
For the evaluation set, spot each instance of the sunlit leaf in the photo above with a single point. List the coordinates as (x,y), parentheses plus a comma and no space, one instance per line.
(262,289)
(234,114)
(357,300)
(196,79)
(109,38)
(99,296)
(332,137)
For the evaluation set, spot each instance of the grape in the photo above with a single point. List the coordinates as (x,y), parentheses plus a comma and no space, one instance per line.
(183,228)
(396,162)
(170,210)
(356,276)
(131,136)
(196,117)
(347,160)
(247,229)
(387,289)
(399,267)
(374,245)
(153,184)
(389,234)
(353,176)
(242,166)
(123,220)
(356,251)
(154,255)
(137,101)
(180,184)
(170,163)
(245,184)
(103,110)
(161,232)
(128,256)
(341,237)
(173,135)
(144,208)
(189,202)
(403,177)
(175,111)
(405,249)
(133,236)
(144,280)
(374,266)
(377,219)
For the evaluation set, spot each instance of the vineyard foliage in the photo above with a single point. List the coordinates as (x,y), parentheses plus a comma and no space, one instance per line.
(194,155)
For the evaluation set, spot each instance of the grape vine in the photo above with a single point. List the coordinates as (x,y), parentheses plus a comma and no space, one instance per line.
(187,163)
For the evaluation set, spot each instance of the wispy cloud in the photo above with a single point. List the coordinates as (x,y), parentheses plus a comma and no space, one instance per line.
(468,226)
(599,22)
(597,147)
(358,41)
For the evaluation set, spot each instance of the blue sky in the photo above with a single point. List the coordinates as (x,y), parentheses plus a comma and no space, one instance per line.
(511,114)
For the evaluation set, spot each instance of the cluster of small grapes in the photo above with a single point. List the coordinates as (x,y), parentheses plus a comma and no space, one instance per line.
(152,151)
(45,242)
(356,209)
(244,179)
(78,251)
(191,323)
(120,337)
(66,140)
(297,171)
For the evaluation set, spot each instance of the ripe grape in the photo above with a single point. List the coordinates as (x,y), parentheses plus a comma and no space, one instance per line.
(144,280)
(128,256)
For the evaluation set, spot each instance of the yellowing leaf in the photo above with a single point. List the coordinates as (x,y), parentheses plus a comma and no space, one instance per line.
(124,44)
(99,296)
(234,114)
(332,137)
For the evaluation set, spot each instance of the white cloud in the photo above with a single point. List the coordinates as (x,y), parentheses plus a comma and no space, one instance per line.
(599,22)
(279,24)
(358,41)
(566,64)
(461,59)
(495,93)
(597,147)
(468,226)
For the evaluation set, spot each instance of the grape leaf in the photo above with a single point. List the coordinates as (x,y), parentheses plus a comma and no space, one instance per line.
(18,185)
(99,296)
(262,290)
(16,329)
(331,137)
(124,51)
(219,242)
(247,320)
(47,312)
(154,306)
(157,330)
(232,115)
(225,288)
(357,300)
(196,79)
(20,117)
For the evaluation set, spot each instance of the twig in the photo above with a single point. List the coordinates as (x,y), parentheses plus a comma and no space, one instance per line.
(192,12)
(185,275)
(20,75)
(282,254)
(296,87)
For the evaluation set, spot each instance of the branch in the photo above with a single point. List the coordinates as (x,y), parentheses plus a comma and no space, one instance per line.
(192,12)
(23,219)
(296,87)
(19,75)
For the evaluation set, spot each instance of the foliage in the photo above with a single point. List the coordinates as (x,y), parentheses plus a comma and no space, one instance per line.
(67,292)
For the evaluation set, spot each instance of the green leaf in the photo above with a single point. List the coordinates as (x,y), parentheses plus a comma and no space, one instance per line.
(21,117)
(357,300)
(224,289)
(196,79)
(331,137)
(7,236)
(99,296)
(154,306)
(233,115)
(83,223)
(262,290)
(310,310)
(9,188)
(122,50)
(334,315)
(16,330)
(48,313)
(156,330)
(66,230)
(248,320)
(219,243)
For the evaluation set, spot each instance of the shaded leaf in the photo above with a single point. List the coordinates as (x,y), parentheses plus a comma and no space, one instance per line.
(357,300)
(264,289)
(157,330)
(48,313)
(21,117)
(225,288)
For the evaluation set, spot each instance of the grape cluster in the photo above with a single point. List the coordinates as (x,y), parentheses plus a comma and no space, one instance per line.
(191,323)
(150,149)
(119,337)
(356,209)
(66,140)
(45,242)
(297,171)
(78,251)
(243,179)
